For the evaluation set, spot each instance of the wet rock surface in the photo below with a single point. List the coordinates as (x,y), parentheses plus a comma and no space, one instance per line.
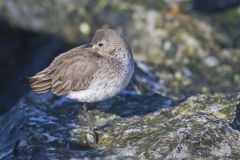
(132,126)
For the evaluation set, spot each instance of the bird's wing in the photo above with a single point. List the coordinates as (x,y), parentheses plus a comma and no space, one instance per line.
(70,71)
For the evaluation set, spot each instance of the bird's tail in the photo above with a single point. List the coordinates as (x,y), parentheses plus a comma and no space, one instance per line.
(40,83)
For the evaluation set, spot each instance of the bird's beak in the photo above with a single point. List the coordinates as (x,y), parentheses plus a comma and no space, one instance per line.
(94,46)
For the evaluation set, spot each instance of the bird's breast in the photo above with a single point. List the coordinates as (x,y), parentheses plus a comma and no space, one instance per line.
(107,82)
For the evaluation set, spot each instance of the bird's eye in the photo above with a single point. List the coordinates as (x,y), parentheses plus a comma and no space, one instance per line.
(100,44)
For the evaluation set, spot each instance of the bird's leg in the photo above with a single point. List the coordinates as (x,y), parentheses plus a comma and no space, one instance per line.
(90,122)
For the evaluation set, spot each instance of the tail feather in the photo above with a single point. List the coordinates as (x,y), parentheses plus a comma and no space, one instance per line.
(40,83)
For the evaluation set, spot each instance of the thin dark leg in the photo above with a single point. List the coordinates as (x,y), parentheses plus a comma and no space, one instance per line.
(90,122)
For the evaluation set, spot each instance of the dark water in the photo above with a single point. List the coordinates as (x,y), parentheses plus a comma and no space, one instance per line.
(22,54)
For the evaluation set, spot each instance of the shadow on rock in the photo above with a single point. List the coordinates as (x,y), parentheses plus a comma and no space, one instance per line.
(129,104)
(236,122)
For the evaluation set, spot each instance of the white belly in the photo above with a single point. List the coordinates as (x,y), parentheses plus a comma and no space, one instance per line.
(87,96)
(97,92)
(102,90)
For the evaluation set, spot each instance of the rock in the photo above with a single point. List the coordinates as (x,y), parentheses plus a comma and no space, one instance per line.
(129,126)
(144,81)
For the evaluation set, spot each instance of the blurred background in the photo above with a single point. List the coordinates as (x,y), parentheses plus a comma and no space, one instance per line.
(189,46)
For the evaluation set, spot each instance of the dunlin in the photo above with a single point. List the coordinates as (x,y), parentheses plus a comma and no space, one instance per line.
(90,73)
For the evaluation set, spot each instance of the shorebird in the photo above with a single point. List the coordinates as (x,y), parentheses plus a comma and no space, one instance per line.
(89,73)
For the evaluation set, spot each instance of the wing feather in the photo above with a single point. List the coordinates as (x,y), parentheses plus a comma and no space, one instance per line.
(70,71)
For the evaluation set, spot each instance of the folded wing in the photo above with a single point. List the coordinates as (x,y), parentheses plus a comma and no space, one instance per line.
(70,71)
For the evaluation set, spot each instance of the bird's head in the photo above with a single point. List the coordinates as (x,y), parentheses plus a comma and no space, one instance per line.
(108,42)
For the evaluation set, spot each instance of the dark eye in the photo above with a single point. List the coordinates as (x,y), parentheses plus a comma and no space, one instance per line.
(100,44)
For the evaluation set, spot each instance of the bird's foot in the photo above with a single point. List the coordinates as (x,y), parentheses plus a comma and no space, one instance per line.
(95,136)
